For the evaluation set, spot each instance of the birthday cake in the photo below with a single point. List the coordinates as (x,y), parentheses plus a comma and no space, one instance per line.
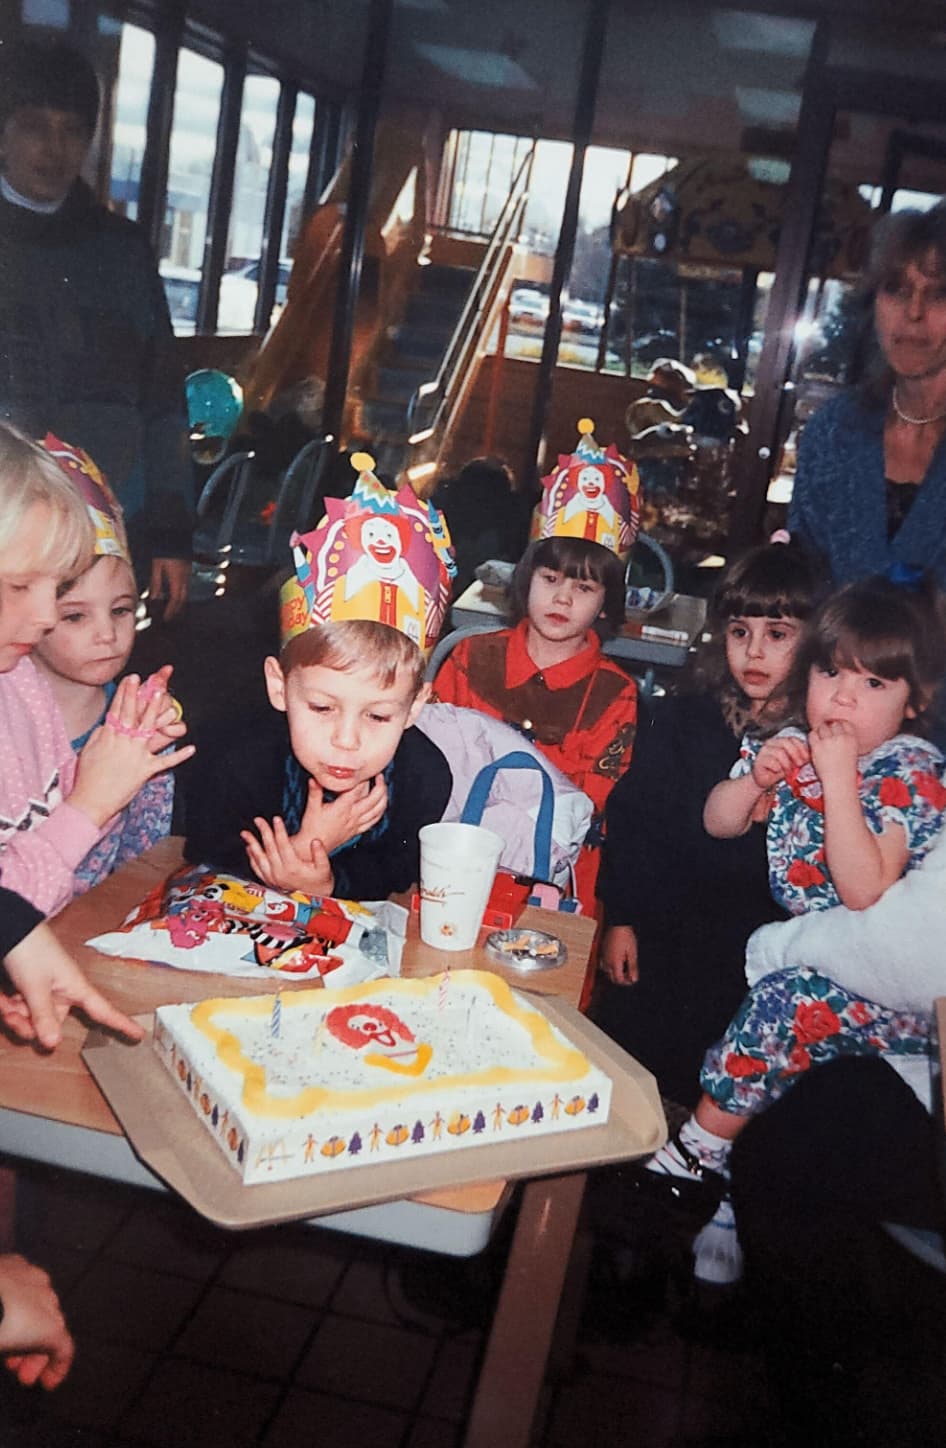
(318,1080)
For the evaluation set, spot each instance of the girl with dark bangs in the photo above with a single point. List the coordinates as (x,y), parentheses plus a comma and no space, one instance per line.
(547,675)
(852,802)
(679,906)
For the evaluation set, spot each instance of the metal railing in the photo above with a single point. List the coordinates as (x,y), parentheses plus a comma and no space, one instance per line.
(433,403)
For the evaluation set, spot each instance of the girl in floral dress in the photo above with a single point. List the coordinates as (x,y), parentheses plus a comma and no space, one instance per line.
(852,803)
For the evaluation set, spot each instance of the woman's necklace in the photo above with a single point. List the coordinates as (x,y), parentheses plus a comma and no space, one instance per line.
(915,421)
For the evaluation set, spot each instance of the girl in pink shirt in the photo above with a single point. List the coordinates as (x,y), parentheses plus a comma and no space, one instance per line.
(54,805)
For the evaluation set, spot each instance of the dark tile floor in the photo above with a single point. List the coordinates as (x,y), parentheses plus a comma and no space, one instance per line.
(192,1337)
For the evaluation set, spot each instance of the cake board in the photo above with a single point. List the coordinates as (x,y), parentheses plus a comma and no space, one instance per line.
(168,1137)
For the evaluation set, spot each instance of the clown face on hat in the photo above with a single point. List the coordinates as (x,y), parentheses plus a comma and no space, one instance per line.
(593,493)
(378,556)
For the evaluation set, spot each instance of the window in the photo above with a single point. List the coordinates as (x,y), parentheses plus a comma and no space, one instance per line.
(240,284)
(484,168)
(132,90)
(193,143)
(51,13)
(302,127)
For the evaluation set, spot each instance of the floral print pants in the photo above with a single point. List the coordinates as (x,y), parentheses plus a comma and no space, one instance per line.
(794,1020)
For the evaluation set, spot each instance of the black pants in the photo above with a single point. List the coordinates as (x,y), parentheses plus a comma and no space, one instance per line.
(854,1328)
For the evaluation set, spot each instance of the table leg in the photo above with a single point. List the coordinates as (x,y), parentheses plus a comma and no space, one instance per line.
(513,1369)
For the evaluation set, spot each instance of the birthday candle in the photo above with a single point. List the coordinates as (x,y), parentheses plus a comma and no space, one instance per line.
(442,989)
(275,1020)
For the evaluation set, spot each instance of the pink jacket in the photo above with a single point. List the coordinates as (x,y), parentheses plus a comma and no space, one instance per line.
(42,838)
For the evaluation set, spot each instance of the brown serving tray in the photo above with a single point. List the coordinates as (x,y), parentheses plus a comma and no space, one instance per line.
(168,1137)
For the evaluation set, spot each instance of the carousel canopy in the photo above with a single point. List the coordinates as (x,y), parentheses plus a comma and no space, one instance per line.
(712,211)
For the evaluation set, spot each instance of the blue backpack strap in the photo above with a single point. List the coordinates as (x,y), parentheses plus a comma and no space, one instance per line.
(479,794)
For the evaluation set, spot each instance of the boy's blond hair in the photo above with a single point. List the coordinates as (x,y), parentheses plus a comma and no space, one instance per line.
(356,643)
(28,475)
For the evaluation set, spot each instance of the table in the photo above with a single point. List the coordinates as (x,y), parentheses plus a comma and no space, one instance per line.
(664,636)
(52,1111)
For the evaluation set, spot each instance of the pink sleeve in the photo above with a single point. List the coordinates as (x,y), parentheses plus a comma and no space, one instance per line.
(39,863)
(42,836)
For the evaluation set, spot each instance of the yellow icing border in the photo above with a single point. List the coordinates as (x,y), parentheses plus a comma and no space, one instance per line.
(566,1062)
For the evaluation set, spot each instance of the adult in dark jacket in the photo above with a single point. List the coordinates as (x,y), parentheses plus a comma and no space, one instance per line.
(693,901)
(85,337)
(853,1328)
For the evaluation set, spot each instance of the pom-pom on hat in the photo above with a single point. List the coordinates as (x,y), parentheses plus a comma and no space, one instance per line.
(593,493)
(104,508)
(377,555)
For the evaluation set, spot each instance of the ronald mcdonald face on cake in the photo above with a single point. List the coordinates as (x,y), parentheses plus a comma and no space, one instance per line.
(593,493)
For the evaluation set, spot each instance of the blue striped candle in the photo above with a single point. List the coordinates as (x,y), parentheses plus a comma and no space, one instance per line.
(275,1020)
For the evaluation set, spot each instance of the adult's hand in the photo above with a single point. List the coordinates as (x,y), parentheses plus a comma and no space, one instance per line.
(49,985)
(618,957)
(34,1339)
(170,580)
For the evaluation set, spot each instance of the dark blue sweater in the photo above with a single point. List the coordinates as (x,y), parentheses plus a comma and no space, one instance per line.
(838,508)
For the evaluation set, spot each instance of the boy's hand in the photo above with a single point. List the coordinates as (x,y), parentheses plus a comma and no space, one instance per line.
(776,759)
(618,957)
(286,864)
(301,861)
(834,752)
(338,821)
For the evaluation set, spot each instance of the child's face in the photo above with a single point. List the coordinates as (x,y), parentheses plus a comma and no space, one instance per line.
(27,595)
(760,652)
(874,707)
(95,630)
(561,609)
(343,724)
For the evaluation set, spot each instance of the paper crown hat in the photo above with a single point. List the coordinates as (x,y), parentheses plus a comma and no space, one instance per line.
(377,555)
(104,508)
(592,493)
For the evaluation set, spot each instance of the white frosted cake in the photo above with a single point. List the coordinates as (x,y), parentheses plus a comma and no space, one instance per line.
(320,1080)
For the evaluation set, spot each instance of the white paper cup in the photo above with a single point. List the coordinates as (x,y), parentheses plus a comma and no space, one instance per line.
(457,868)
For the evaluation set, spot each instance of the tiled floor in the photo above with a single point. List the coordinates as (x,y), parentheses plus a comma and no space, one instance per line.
(191,1337)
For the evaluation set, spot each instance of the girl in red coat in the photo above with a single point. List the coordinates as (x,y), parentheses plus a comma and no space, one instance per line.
(548,677)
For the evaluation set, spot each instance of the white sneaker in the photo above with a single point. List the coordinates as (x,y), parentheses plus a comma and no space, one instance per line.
(717,1255)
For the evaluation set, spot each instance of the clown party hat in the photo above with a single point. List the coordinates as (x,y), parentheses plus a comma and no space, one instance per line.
(378,555)
(592,493)
(104,508)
